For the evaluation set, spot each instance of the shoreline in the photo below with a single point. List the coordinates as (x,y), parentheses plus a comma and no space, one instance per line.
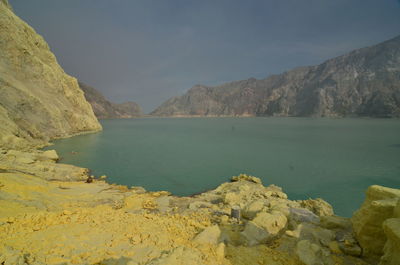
(205,216)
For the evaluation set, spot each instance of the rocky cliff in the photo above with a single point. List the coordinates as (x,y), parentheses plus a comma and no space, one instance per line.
(39,101)
(365,82)
(104,109)
(49,215)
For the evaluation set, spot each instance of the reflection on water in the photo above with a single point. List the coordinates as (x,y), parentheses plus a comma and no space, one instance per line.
(332,159)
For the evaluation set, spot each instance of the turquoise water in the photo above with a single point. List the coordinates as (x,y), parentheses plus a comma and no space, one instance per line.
(335,159)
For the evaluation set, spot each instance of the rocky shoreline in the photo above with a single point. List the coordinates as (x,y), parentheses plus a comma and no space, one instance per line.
(53,213)
(49,214)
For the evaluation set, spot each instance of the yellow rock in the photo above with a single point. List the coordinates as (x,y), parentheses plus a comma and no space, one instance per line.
(39,101)
(334,247)
(368,221)
(392,247)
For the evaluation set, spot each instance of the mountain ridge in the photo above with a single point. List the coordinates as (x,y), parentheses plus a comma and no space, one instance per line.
(105,109)
(363,82)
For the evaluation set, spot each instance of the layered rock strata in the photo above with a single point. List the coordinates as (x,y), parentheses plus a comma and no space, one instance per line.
(39,101)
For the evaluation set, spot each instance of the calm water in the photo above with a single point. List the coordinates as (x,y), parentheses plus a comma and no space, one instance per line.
(336,159)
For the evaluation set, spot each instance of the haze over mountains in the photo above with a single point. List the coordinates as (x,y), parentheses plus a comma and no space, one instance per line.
(104,109)
(364,82)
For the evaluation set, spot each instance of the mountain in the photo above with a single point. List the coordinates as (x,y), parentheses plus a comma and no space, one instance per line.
(364,82)
(104,109)
(38,101)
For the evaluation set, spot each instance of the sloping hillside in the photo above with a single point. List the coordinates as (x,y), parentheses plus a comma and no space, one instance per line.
(39,101)
(104,109)
(365,82)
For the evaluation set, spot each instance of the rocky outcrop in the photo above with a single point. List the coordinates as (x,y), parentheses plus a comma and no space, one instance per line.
(50,215)
(392,247)
(364,82)
(39,101)
(376,225)
(116,225)
(104,109)
(41,164)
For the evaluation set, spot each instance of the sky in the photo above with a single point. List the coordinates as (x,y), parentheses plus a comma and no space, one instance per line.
(150,50)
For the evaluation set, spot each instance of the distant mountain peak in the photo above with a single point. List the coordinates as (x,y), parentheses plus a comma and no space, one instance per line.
(104,109)
(363,82)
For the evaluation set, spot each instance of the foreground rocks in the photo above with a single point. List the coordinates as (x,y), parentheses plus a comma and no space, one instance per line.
(376,225)
(41,164)
(58,222)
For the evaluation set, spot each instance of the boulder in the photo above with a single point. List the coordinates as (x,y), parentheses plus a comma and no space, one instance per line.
(232,198)
(254,234)
(301,215)
(391,249)
(49,155)
(367,222)
(318,206)
(273,223)
(264,227)
(309,253)
(312,233)
(335,222)
(210,235)
(253,208)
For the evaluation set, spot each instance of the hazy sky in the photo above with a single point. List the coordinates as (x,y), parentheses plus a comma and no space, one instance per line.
(150,50)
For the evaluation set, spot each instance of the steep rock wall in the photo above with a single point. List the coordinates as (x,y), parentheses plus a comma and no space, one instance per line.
(39,101)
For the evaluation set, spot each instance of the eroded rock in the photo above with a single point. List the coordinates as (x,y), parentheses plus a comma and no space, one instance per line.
(210,235)
(368,221)
(391,249)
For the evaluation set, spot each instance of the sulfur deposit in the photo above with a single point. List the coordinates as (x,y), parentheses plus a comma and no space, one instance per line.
(39,101)
(51,213)
(59,222)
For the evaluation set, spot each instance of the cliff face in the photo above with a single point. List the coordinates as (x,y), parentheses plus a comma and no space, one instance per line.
(104,109)
(39,101)
(365,82)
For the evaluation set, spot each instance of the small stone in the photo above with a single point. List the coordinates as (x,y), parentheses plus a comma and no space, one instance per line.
(352,249)
(224,219)
(334,247)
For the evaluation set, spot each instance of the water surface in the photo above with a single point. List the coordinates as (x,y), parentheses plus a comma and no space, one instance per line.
(335,159)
